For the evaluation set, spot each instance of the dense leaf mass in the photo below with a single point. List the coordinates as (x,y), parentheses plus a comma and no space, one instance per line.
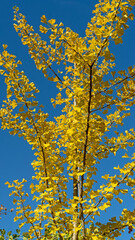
(68,150)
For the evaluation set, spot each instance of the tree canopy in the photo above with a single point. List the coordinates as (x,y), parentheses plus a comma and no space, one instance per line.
(95,99)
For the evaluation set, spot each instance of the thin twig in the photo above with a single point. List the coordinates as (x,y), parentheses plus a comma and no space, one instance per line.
(119,182)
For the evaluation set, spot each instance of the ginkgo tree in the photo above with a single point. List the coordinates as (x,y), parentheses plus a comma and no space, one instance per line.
(95,101)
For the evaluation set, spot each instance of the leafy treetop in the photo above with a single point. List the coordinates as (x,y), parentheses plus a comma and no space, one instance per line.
(69,148)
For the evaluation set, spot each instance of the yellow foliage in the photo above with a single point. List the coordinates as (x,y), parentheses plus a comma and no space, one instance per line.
(69,148)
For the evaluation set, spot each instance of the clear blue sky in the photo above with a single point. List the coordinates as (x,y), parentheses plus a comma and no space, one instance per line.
(16,155)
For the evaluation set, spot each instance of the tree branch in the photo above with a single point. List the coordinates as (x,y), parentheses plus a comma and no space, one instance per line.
(119,182)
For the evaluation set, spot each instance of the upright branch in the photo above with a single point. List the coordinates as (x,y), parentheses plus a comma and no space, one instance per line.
(85,151)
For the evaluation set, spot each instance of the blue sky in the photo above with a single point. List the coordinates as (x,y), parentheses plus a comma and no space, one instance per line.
(16,154)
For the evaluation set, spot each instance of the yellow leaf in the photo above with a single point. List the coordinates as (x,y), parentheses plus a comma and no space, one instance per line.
(131,16)
(80,173)
(14,201)
(105,111)
(133,156)
(5,46)
(119,200)
(113,73)
(125,156)
(106,176)
(46,145)
(70,132)
(104,206)
(118,40)
(109,196)
(21,109)
(7,183)
(14,104)
(43,19)
(16,182)
(2,72)
(52,21)
(43,29)
(16,218)
(24,180)
(49,189)
(61,24)
(120,31)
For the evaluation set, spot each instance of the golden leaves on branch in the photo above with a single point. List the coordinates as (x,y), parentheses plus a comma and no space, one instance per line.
(69,148)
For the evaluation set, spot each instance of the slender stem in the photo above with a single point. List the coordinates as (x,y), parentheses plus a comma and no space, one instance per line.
(114,229)
(37,234)
(75,188)
(115,84)
(85,151)
(112,103)
(101,199)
